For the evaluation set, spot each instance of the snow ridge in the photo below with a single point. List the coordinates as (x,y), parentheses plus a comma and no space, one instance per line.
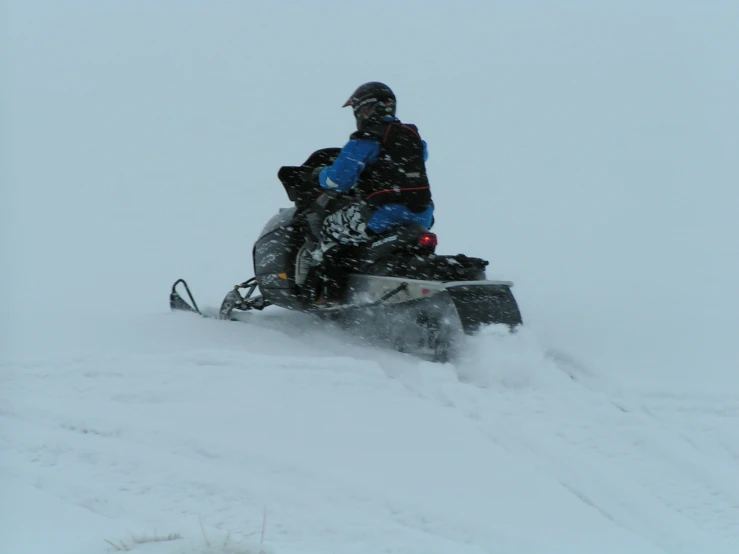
(173,422)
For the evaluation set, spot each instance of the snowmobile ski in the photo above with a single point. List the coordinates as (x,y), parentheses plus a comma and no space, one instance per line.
(232,301)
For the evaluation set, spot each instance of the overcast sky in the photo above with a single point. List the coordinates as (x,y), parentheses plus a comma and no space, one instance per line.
(587,149)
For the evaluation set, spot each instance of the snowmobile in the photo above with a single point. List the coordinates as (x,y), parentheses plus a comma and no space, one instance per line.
(393,289)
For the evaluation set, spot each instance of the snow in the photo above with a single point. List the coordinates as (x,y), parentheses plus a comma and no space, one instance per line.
(177,421)
(587,151)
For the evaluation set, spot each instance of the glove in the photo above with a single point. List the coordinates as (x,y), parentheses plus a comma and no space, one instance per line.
(310,174)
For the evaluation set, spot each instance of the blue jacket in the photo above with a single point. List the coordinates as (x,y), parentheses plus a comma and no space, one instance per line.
(354,157)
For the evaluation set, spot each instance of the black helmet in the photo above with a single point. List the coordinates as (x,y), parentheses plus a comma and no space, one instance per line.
(370,102)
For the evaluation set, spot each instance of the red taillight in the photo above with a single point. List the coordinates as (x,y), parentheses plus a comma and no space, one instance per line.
(427,240)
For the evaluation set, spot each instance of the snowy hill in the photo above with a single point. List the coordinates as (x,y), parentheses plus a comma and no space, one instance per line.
(178,422)
(588,152)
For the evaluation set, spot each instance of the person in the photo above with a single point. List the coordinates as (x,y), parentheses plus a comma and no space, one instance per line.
(384,165)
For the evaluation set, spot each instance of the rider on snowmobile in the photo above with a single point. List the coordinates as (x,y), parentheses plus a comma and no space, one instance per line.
(383,164)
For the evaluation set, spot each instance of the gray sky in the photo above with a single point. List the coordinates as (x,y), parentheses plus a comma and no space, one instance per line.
(587,149)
